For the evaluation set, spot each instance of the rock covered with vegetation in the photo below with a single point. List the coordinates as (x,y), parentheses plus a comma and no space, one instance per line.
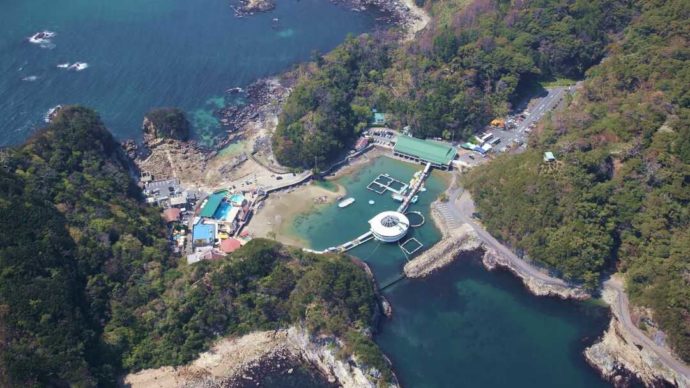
(89,288)
(619,195)
(166,123)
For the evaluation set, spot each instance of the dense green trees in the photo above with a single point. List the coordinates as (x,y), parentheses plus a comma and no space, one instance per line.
(619,197)
(89,287)
(319,119)
(464,70)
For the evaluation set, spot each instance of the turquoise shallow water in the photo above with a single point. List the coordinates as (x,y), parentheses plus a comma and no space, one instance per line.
(150,53)
(463,326)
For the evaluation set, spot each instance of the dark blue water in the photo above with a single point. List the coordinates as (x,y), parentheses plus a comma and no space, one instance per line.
(147,53)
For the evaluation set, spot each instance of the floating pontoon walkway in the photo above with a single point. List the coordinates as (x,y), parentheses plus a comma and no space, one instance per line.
(346,246)
(418,183)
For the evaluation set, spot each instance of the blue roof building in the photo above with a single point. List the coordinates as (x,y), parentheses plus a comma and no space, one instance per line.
(203,234)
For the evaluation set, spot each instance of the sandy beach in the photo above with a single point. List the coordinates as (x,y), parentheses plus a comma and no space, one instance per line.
(274,219)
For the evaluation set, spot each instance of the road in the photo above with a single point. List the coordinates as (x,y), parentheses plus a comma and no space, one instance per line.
(460,207)
(538,107)
(621,310)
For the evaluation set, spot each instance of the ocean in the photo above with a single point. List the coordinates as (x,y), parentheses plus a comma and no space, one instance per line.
(149,53)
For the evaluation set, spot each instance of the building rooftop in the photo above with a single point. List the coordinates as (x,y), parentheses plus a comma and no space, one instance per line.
(389,226)
(230,245)
(426,150)
(212,203)
(204,232)
(548,156)
(171,214)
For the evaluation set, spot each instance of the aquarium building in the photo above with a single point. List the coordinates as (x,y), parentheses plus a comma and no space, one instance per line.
(440,155)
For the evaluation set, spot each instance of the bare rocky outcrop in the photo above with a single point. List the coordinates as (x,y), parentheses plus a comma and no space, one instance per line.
(620,356)
(456,241)
(231,359)
(493,259)
(621,362)
(323,353)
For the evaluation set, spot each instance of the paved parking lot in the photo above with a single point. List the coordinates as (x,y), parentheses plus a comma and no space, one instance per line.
(514,137)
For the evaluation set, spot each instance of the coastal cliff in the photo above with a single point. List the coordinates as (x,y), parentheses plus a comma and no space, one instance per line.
(621,362)
(619,355)
(323,352)
(232,359)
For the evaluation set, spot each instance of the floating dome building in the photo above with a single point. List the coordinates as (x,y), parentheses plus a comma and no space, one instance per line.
(389,226)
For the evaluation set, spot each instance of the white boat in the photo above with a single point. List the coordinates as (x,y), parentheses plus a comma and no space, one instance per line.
(41,37)
(398,197)
(78,66)
(371,202)
(414,199)
(346,202)
(50,115)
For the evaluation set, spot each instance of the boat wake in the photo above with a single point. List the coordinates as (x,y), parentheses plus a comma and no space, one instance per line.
(76,66)
(31,78)
(79,66)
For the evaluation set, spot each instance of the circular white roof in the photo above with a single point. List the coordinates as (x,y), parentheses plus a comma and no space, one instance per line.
(389,225)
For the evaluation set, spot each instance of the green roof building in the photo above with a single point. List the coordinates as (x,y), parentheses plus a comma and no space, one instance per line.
(440,155)
(212,204)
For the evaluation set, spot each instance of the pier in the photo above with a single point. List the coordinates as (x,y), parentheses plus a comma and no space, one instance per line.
(415,188)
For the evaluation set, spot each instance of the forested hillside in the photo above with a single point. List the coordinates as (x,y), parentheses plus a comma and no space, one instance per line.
(89,288)
(464,70)
(618,198)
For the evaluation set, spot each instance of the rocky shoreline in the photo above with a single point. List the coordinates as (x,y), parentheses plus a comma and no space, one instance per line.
(493,259)
(233,362)
(622,359)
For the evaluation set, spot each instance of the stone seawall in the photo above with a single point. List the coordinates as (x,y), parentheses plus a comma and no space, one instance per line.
(455,242)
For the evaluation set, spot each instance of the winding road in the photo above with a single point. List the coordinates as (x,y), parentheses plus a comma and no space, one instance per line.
(460,208)
(621,310)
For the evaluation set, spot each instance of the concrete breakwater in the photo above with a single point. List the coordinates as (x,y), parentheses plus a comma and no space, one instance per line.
(456,241)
